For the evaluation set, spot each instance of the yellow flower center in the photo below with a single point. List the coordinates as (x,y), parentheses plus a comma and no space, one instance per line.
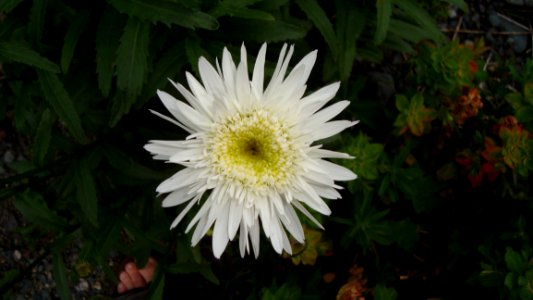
(253,149)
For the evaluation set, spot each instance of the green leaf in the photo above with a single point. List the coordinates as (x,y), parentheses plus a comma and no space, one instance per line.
(413,10)
(382,292)
(86,191)
(524,114)
(158,291)
(120,105)
(349,26)
(21,53)
(402,103)
(6,6)
(43,134)
(132,56)
(128,166)
(61,277)
(514,261)
(71,39)
(58,98)
(168,66)
(107,41)
(461,4)
(194,51)
(384,12)
(408,31)
(36,22)
(239,9)
(8,277)
(510,280)
(187,268)
(321,21)
(265,31)
(528,92)
(166,12)
(34,209)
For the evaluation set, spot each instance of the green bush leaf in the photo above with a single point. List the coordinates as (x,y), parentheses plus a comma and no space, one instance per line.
(86,191)
(132,56)
(239,9)
(35,210)
(321,21)
(71,39)
(21,53)
(36,22)
(42,138)
(421,17)
(265,31)
(461,4)
(514,261)
(166,12)
(6,6)
(58,98)
(384,12)
(107,41)
(382,292)
(61,277)
(349,26)
(525,113)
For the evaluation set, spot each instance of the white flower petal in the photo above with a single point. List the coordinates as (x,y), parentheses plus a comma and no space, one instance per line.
(177,197)
(182,214)
(235,218)
(220,233)
(337,172)
(331,129)
(259,71)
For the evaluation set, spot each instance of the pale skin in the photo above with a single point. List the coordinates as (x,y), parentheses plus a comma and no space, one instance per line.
(132,277)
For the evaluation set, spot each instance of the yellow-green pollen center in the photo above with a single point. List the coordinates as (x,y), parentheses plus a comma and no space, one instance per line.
(253,149)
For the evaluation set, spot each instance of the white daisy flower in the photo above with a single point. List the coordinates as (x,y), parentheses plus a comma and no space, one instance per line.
(250,154)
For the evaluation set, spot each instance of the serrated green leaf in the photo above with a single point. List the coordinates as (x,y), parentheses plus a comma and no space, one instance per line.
(168,66)
(107,41)
(240,9)
(265,31)
(349,26)
(120,105)
(321,21)
(414,11)
(132,56)
(34,209)
(165,12)
(60,274)
(71,39)
(194,51)
(21,53)
(6,6)
(384,12)
(58,98)
(86,191)
(36,22)
(125,164)
(407,31)
(43,134)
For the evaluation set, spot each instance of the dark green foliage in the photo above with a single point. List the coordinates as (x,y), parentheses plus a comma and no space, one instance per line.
(436,183)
